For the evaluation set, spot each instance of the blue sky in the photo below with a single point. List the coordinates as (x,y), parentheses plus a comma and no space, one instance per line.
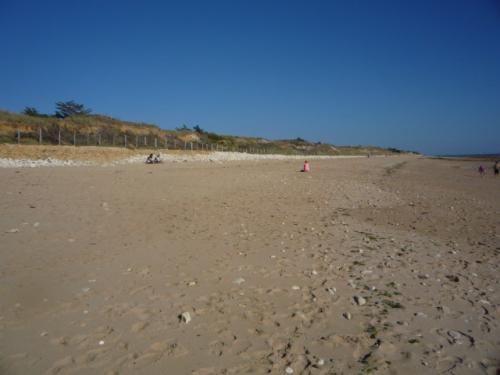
(419,75)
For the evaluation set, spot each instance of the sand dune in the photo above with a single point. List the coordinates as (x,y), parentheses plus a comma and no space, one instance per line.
(380,265)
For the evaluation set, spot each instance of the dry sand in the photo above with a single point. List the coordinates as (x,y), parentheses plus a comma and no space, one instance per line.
(382,265)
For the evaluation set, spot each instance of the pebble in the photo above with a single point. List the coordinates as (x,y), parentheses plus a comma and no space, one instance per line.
(359,300)
(239,280)
(185,317)
(321,362)
(347,315)
(289,370)
(296,287)
(101,342)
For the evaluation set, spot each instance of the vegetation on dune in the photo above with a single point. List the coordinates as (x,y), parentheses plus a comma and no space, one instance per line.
(73,123)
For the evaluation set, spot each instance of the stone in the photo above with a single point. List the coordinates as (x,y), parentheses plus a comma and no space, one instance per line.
(289,370)
(239,280)
(185,317)
(347,315)
(360,301)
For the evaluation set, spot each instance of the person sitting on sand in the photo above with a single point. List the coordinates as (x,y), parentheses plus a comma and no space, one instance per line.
(496,168)
(306,168)
(149,160)
(157,159)
(481,170)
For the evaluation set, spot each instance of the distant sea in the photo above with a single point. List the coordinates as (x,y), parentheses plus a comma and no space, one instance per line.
(478,156)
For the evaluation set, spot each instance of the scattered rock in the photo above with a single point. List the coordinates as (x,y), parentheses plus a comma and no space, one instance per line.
(185,317)
(289,370)
(347,315)
(360,301)
(296,287)
(13,230)
(239,280)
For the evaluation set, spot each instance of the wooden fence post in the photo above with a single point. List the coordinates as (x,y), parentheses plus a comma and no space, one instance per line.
(40,135)
(59,136)
(74,138)
(18,136)
(125,140)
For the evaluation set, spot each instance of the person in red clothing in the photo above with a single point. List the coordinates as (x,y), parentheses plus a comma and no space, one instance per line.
(306,168)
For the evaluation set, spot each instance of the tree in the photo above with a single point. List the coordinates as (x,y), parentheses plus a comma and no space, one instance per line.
(198,130)
(31,111)
(66,109)
(184,127)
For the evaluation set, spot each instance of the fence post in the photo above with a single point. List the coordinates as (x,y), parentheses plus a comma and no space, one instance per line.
(59,136)
(191,146)
(125,140)
(74,138)
(18,136)
(136,142)
(40,135)
(156,142)
(99,140)
(145,140)
(185,144)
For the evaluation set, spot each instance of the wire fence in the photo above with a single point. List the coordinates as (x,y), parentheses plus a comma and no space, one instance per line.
(65,137)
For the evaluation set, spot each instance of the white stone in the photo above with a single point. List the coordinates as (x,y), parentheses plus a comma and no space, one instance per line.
(186,317)
(239,280)
(359,300)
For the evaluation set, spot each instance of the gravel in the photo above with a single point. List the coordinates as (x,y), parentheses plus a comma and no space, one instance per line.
(216,157)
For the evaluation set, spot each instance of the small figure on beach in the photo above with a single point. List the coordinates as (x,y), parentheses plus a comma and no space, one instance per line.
(481,170)
(149,160)
(496,168)
(306,167)
(157,159)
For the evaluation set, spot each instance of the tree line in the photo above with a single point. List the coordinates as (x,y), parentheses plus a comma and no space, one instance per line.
(63,110)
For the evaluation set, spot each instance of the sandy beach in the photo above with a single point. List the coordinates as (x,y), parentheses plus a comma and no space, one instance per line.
(386,265)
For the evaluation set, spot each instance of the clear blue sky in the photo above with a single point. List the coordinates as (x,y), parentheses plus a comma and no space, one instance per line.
(419,75)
